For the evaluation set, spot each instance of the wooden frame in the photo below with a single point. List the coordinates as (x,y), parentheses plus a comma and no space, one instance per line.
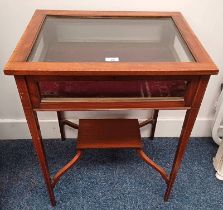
(17,64)
(107,103)
(26,74)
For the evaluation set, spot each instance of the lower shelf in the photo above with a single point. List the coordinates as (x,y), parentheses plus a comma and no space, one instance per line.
(109,134)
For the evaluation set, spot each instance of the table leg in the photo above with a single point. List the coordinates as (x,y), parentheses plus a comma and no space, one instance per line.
(155,116)
(34,128)
(62,122)
(32,121)
(188,124)
(184,138)
(60,117)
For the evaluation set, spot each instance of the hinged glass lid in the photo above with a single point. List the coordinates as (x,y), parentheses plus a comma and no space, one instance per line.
(72,39)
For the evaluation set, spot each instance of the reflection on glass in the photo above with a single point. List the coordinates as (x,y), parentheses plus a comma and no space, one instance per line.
(112,89)
(70,39)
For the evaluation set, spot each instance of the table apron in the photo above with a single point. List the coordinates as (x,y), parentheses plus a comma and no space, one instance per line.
(69,104)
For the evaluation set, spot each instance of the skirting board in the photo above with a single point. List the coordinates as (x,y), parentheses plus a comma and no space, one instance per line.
(18,129)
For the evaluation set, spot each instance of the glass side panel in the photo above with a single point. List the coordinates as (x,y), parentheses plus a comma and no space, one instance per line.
(112,89)
(72,39)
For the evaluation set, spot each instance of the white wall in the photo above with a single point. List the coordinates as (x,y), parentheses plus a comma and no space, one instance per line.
(204,16)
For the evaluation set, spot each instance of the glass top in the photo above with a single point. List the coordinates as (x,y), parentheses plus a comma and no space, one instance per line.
(72,39)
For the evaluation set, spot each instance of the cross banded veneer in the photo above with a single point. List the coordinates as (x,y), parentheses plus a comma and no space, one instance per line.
(90,60)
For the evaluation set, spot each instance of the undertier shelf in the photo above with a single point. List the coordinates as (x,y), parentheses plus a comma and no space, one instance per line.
(109,134)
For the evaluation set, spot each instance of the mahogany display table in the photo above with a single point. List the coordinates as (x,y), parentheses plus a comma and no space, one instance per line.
(82,60)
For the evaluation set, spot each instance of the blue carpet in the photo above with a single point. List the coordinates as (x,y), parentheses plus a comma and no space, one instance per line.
(112,179)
